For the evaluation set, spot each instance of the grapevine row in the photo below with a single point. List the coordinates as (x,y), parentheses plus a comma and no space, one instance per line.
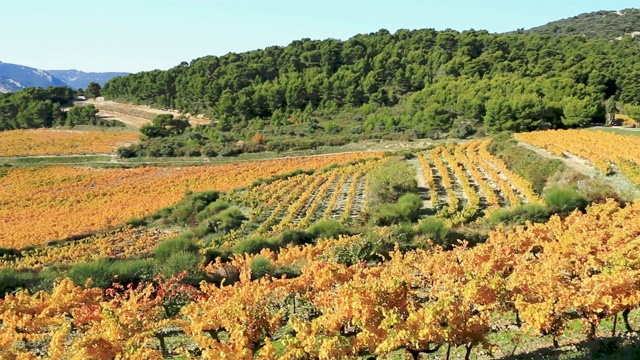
(453,202)
(521,183)
(429,179)
(608,152)
(583,266)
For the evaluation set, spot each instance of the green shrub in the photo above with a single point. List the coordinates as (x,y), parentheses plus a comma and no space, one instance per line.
(227,220)
(385,215)
(201,230)
(12,280)
(364,249)
(212,254)
(327,228)
(166,248)
(409,206)
(564,200)
(135,222)
(528,212)
(434,229)
(261,267)
(128,271)
(98,271)
(212,209)
(403,235)
(187,209)
(9,252)
(391,180)
(252,245)
(293,237)
(406,209)
(105,272)
(182,261)
(288,271)
(533,167)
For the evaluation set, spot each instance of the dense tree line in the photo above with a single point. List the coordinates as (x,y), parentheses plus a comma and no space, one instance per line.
(34,107)
(41,108)
(379,68)
(600,24)
(415,83)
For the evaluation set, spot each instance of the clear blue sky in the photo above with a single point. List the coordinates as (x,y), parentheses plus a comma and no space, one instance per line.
(137,35)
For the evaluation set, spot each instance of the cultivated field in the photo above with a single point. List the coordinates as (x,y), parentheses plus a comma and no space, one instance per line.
(62,142)
(42,204)
(608,152)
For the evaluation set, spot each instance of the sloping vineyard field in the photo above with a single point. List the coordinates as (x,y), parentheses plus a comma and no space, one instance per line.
(297,202)
(466,182)
(42,204)
(120,243)
(62,142)
(608,152)
(584,267)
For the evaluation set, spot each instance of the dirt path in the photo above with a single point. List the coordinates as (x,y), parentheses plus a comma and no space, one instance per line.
(134,121)
(617,181)
(136,115)
(423,187)
(463,197)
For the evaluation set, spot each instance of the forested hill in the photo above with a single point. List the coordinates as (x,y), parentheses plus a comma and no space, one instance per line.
(600,24)
(413,82)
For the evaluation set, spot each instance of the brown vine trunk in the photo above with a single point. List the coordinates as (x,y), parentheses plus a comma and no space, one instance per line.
(448,351)
(163,345)
(467,356)
(615,323)
(625,317)
(592,331)
(415,354)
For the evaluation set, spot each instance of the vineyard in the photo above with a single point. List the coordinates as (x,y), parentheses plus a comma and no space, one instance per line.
(62,142)
(239,273)
(465,181)
(608,152)
(66,201)
(417,302)
(121,243)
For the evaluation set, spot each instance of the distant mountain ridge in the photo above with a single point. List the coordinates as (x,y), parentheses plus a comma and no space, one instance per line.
(15,77)
(604,24)
(79,79)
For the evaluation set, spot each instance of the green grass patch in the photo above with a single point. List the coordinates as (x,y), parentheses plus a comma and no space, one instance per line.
(55,160)
(534,168)
(620,131)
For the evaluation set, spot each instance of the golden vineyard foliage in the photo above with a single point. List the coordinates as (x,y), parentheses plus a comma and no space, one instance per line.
(608,152)
(585,265)
(474,181)
(62,142)
(41,204)
(296,202)
(122,243)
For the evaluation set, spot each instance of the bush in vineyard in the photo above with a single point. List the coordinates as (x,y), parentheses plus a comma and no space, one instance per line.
(391,180)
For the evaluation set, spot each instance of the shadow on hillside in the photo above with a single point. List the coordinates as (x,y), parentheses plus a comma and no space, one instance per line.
(625,347)
(423,192)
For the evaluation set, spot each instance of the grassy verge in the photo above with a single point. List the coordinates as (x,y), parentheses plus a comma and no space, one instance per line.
(55,160)
(620,131)
(531,166)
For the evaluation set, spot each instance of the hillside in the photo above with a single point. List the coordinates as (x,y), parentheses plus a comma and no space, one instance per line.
(280,263)
(600,24)
(278,204)
(77,79)
(409,84)
(17,77)
(14,77)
